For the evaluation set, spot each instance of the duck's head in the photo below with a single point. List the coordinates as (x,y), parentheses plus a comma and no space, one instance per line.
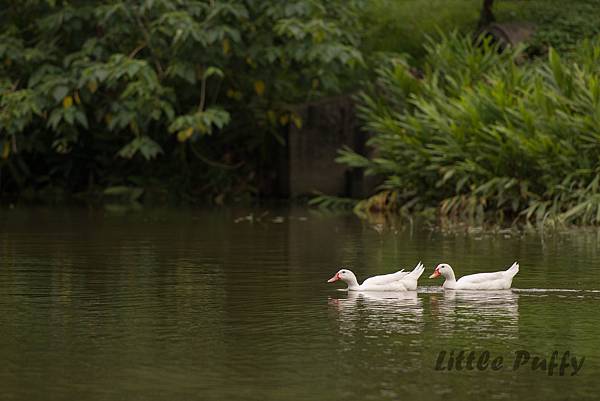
(345,275)
(443,269)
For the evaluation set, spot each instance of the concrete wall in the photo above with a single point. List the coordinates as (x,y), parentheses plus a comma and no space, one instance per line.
(327,125)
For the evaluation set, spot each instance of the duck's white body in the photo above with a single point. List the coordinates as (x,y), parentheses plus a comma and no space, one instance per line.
(501,280)
(399,281)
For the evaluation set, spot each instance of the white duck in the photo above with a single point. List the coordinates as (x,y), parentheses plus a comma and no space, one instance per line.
(501,280)
(399,281)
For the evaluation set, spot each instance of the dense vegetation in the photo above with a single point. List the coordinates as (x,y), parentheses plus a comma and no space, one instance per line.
(483,133)
(184,98)
(191,99)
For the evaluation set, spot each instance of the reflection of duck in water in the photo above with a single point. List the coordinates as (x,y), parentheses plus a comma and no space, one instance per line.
(493,312)
(390,311)
(376,299)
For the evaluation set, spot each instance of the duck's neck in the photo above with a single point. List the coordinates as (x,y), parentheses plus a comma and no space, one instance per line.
(352,284)
(450,282)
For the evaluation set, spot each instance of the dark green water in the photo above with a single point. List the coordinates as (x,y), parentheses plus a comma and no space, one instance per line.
(190,305)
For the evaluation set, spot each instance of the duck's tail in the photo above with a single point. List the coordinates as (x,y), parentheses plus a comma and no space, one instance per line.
(513,270)
(416,272)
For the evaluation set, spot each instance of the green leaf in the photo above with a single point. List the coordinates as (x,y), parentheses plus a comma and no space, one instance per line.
(59,93)
(143,144)
(81,118)
(213,71)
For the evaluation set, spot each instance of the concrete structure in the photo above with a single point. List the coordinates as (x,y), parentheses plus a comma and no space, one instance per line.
(327,125)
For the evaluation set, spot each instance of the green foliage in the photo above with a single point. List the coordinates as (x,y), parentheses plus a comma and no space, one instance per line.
(115,92)
(328,202)
(483,135)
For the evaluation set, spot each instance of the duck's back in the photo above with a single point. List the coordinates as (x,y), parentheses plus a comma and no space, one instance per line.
(397,285)
(386,278)
(501,280)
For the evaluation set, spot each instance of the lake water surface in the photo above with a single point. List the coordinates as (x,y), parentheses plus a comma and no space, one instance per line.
(205,305)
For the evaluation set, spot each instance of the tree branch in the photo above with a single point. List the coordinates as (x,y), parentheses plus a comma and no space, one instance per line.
(135,51)
(486,16)
(146,34)
(214,163)
(202,95)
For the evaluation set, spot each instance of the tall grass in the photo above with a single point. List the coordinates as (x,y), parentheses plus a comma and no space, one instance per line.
(480,134)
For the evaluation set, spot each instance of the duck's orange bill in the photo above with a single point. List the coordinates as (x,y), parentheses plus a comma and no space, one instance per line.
(334,278)
(436,273)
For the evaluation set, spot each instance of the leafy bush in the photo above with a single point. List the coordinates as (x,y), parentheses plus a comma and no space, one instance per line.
(483,134)
(92,93)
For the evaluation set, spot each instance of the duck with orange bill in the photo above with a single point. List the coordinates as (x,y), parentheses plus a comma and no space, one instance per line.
(398,281)
(501,280)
